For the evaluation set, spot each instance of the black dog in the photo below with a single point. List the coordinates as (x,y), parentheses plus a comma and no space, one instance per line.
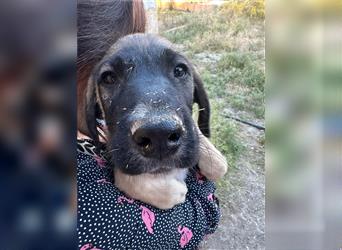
(145,91)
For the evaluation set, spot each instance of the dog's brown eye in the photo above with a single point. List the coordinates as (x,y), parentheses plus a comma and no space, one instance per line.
(180,70)
(108,77)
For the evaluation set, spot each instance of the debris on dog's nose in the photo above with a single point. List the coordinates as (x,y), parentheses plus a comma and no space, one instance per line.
(155,102)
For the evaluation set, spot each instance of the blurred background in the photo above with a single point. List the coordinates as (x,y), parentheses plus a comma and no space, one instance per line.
(37,124)
(304,125)
(297,104)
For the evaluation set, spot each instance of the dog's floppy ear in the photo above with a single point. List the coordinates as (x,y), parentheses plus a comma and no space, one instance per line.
(91,112)
(201,98)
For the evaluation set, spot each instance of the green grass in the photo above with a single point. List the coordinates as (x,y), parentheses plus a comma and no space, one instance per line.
(224,133)
(228,51)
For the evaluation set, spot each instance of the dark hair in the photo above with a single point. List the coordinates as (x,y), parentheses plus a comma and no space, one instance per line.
(100,24)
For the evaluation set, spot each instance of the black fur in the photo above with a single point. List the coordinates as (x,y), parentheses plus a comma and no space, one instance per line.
(201,98)
(136,80)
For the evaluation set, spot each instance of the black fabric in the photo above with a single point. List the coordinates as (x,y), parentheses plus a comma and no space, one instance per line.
(107,219)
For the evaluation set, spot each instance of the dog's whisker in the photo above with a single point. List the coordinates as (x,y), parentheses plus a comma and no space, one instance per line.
(108,152)
(114,149)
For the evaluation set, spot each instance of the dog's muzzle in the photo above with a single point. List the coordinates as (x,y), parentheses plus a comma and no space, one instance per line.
(158,137)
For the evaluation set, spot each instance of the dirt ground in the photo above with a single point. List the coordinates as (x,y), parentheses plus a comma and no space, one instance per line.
(242,201)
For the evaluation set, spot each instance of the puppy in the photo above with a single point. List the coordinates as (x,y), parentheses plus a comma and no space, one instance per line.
(145,90)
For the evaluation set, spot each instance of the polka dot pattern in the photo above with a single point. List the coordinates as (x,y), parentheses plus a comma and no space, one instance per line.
(107,219)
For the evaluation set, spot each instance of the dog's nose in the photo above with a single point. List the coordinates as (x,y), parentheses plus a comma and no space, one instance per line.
(158,139)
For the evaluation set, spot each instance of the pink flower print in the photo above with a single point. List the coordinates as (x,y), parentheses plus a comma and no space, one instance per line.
(186,235)
(100,161)
(122,198)
(210,197)
(89,246)
(199,177)
(148,218)
(103,181)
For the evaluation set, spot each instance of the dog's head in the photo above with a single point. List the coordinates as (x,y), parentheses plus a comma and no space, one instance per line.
(145,91)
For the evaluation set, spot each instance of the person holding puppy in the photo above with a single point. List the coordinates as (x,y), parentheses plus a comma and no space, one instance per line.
(151,205)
